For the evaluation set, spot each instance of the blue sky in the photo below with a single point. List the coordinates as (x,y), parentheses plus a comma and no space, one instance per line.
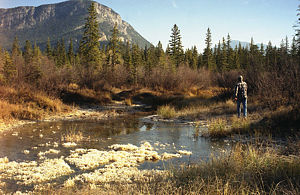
(264,20)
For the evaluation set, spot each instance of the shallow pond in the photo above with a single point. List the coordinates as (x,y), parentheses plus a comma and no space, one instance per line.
(30,142)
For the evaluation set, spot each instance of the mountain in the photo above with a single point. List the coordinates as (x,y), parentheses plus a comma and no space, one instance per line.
(235,43)
(62,20)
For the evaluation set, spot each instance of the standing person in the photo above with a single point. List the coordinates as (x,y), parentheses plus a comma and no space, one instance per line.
(240,96)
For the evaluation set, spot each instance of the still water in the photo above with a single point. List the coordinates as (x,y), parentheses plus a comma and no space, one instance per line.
(134,129)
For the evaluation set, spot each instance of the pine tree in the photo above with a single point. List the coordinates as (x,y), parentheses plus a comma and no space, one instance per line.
(71,55)
(298,29)
(63,53)
(236,58)
(160,55)
(188,57)
(218,57)
(9,68)
(230,54)
(17,58)
(34,72)
(36,51)
(200,63)
(254,57)
(16,51)
(224,54)
(294,49)
(194,57)
(191,57)
(175,46)
(208,59)
(136,61)
(28,53)
(49,51)
(89,46)
(151,60)
(127,57)
(114,48)
(60,54)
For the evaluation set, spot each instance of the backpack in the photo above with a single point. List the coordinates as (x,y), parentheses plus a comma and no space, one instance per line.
(241,92)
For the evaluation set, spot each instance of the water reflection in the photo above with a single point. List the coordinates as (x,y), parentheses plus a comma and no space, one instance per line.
(24,144)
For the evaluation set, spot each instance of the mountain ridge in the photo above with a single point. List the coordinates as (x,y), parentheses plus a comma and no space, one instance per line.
(61,20)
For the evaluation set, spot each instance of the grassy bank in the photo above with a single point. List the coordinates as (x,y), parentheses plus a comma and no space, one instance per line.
(24,104)
(215,106)
(245,170)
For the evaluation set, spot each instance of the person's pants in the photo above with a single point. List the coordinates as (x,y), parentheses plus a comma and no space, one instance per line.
(244,102)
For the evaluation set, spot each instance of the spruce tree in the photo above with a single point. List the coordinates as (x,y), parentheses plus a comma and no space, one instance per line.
(224,54)
(218,57)
(49,51)
(36,51)
(200,63)
(28,53)
(208,59)
(188,57)
(89,45)
(71,55)
(230,54)
(298,29)
(136,61)
(175,46)
(63,53)
(151,60)
(9,68)
(160,55)
(114,48)
(236,52)
(16,51)
(194,57)
(294,48)
(34,72)
(60,54)
(17,58)
(127,56)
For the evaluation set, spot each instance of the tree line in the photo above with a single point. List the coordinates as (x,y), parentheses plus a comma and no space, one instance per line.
(126,64)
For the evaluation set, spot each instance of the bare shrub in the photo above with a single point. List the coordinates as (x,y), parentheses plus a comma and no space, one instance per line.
(182,79)
(278,86)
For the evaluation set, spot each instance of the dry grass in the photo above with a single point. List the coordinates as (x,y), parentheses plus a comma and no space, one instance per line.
(202,103)
(166,112)
(72,136)
(245,170)
(217,128)
(128,101)
(26,104)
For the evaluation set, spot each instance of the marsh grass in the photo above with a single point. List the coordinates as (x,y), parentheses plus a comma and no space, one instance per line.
(217,128)
(240,124)
(166,112)
(201,106)
(72,135)
(247,169)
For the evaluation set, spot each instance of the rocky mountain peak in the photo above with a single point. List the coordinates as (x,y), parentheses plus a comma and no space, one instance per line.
(62,20)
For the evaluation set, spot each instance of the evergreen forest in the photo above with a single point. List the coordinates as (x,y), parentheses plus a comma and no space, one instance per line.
(272,72)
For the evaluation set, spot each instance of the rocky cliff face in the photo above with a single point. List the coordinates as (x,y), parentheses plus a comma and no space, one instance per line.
(63,20)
